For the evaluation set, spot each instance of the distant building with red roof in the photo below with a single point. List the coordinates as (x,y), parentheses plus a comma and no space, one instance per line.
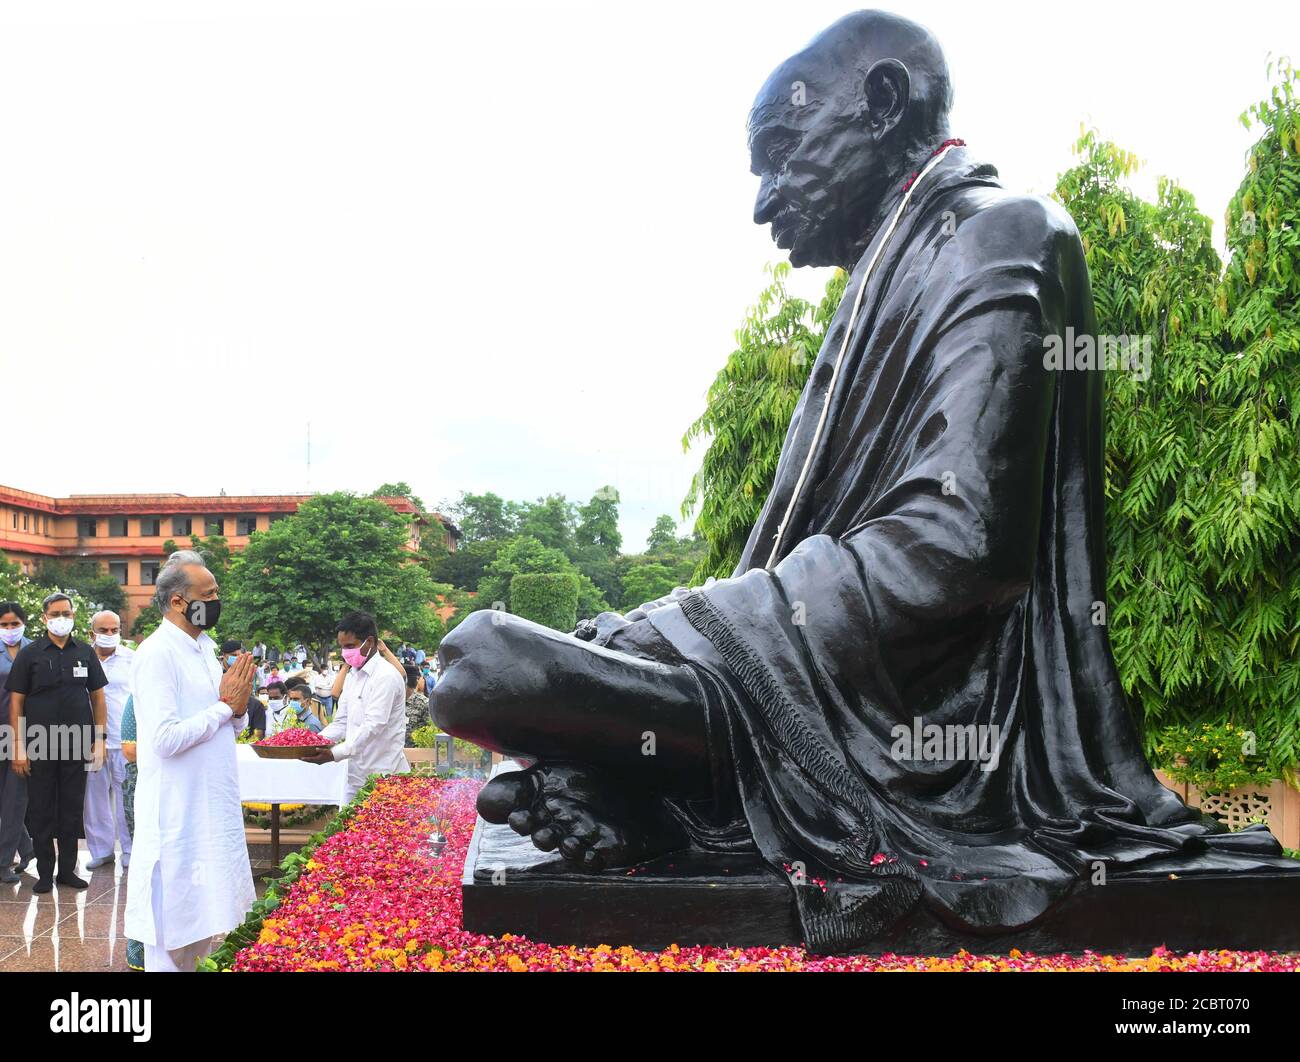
(124,533)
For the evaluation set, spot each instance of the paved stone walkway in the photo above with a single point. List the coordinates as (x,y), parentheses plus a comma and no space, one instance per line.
(68,929)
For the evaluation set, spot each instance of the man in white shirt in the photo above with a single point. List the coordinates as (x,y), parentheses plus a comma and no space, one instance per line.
(322,686)
(371,717)
(190,878)
(104,812)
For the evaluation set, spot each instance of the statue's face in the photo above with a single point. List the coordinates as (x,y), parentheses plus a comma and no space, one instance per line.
(822,174)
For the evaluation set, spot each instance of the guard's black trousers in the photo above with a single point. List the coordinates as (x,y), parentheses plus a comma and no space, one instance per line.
(56,799)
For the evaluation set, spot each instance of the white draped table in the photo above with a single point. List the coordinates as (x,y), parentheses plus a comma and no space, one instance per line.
(288,781)
(276,782)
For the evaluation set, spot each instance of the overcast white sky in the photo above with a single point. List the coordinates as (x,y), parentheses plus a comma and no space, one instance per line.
(479,246)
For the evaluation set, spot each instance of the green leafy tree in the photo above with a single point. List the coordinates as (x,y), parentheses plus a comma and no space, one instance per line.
(95,588)
(146,622)
(596,542)
(550,520)
(663,536)
(646,581)
(462,567)
(401,489)
(17,585)
(337,553)
(1202,474)
(526,554)
(598,522)
(215,550)
(484,517)
(749,407)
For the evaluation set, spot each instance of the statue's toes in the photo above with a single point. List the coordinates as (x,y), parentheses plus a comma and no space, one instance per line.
(572,848)
(522,822)
(592,860)
(547,838)
(581,825)
(506,793)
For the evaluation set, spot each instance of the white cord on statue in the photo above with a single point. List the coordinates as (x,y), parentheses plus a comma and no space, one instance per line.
(844,346)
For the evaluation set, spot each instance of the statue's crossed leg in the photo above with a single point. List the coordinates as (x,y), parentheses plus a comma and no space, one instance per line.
(613,735)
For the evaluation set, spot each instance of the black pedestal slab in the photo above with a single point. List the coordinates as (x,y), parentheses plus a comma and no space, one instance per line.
(739,902)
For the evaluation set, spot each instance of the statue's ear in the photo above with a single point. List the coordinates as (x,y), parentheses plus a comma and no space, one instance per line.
(888,89)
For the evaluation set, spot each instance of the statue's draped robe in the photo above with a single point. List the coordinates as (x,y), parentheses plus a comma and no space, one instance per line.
(944,562)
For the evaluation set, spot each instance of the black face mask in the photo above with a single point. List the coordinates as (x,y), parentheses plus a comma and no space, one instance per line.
(203,614)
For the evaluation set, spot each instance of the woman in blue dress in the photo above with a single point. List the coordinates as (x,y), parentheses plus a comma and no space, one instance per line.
(134,949)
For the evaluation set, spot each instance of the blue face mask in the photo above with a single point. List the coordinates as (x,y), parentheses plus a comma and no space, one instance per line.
(230,661)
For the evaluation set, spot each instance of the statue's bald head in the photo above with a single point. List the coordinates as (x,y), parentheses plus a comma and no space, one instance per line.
(836,126)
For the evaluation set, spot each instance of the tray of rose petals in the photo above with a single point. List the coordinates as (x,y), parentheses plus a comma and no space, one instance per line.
(291,744)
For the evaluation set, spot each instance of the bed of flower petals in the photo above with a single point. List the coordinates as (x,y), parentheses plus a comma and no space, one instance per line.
(374,897)
(295,737)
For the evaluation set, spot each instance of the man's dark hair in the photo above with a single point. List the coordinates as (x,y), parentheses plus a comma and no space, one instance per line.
(12,606)
(298,684)
(361,624)
(412,676)
(231,645)
(54,598)
(273,686)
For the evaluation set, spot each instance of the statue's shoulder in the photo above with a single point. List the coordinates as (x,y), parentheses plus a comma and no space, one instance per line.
(1030,218)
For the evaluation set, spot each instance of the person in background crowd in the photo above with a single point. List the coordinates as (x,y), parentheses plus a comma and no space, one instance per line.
(14,838)
(105,812)
(419,657)
(323,687)
(371,718)
(190,877)
(298,700)
(58,711)
(430,679)
(417,704)
(134,949)
(230,650)
(275,706)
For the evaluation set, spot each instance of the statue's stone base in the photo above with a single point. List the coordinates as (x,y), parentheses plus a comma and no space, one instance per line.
(511,887)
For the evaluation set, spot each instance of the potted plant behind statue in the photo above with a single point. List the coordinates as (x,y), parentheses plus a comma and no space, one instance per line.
(1215,767)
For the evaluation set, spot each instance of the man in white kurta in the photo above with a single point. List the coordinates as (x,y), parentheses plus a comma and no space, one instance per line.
(371,717)
(104,814)
(190,877)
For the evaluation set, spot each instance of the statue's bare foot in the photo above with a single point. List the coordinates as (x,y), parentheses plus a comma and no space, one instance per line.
(593,825)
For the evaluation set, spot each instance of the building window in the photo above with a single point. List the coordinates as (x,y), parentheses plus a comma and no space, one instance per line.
(214,525)
(15,519)
(46,521)
(117,569)
(181,525)
(245,525)
(275,518)
(117,527)
(149,572)
(87,527)
(25,519)
(151,527)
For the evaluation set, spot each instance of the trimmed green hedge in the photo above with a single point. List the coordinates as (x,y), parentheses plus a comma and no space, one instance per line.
(548,599)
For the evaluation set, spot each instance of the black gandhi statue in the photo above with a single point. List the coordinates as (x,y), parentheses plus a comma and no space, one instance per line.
(902,698)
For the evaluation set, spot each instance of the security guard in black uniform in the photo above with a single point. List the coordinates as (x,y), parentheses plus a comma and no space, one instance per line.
(58,711)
